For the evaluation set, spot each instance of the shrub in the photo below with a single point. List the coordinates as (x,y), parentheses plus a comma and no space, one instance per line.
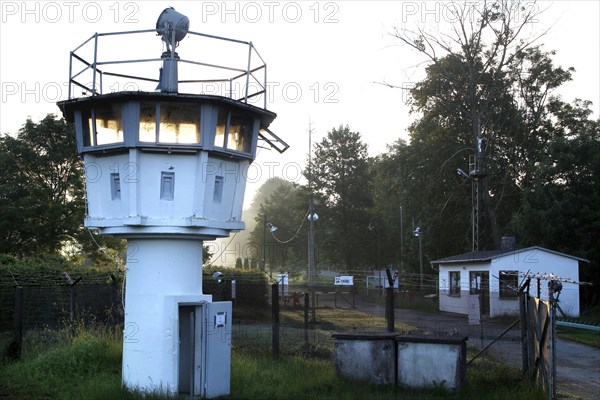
(252,288)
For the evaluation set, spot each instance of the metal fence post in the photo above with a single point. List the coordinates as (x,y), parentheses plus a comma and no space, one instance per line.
(552,350)
(275,318)
(524,335)
(389,301)
(306,308)
(18,322)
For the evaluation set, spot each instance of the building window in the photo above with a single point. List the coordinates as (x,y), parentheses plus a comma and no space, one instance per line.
(509,282)
(218,192)
(167,185)
(109,124)
(103,125)
(115,186)
(147,122)
(221,127)
(454,279)
(234,131)
(179,123)
(478,282)
(240,133)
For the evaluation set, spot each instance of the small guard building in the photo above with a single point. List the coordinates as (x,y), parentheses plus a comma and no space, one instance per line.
(496,275)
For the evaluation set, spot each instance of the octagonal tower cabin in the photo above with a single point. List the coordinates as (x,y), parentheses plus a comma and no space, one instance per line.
(166,171)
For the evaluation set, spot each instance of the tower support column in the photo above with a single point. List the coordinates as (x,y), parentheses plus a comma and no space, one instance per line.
(161,275)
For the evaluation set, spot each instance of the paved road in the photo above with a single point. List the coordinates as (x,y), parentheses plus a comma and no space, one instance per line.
(578,366)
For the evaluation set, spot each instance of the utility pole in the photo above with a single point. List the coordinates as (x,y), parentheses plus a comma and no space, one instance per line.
(419,233)
(264,252)
(477,174)
(401,242)
(311,233)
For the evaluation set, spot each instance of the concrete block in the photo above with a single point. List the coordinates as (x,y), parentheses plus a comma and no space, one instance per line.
(366,357)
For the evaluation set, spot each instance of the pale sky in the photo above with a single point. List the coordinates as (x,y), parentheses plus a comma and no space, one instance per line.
(324,59)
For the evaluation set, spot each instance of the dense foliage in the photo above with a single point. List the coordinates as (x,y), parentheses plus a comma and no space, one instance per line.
(486,85)
(41,188)
(489,95)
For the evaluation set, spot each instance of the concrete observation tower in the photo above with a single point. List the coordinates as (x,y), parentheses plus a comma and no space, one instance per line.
(166,170)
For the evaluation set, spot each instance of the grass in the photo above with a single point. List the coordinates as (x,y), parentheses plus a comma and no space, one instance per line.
(85,363)
(259,377)
(342,320)
(254,336)
(85,369)
(583,336)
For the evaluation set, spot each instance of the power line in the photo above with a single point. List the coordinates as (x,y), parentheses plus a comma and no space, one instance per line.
(295,234)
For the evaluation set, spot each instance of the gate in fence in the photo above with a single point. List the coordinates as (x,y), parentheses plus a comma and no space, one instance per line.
(538,340)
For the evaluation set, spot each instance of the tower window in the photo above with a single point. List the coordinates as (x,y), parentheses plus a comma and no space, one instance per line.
(167,185)
(115,186)
(218,192)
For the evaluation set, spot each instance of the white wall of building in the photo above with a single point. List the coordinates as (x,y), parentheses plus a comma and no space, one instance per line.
(537,262)
(534,261)
(454,303)
(196,200)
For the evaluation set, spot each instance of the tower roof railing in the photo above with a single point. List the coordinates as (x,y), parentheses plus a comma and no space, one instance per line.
(208,64)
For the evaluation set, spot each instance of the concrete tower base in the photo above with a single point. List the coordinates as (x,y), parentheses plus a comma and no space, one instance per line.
(161,276)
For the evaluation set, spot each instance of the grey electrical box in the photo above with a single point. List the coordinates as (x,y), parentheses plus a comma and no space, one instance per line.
(217,376)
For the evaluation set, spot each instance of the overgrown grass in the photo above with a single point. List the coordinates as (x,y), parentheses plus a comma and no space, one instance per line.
(84,362)
(259,377)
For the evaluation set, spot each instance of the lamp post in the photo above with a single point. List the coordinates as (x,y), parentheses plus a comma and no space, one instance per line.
(418,233)
(312,218)
(272,228)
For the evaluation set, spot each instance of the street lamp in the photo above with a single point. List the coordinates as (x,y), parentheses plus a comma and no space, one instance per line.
(418,233)
(272,228)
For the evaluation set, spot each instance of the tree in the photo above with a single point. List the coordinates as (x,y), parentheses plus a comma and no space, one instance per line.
(339,175)
(285,208)
(41,188)
(560,210)
(486,90)
(42,197)
(206,254)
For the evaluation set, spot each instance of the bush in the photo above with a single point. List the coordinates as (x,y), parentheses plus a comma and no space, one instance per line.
(46,270)
(252,287)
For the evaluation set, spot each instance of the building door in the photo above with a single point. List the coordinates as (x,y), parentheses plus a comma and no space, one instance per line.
(479,284)
(205,349)
(189,358)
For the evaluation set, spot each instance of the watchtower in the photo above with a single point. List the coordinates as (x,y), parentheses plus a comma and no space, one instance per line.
(165,169)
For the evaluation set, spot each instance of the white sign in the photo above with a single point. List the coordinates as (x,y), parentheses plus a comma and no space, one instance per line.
(283,279)
(386,283)
(344,280)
